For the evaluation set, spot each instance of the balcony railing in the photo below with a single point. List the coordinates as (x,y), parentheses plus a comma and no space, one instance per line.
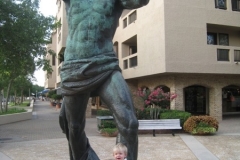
(130,61)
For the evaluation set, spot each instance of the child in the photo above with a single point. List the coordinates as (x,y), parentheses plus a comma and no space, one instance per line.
(119,152)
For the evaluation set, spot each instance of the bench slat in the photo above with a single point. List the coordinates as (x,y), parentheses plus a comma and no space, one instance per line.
(159,124)
(157,127)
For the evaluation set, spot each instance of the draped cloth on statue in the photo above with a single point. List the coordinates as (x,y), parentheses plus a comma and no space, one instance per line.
(84,75)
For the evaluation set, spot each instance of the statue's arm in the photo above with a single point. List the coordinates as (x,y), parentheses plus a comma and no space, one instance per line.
(133,4)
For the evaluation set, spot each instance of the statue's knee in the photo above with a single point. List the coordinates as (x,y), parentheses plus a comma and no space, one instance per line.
(133,127)
(76,127)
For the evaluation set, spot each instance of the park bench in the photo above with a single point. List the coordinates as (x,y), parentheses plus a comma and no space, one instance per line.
(159,124)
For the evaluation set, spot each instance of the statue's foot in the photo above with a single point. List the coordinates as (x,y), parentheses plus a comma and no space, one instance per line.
(89,154)
(92,155)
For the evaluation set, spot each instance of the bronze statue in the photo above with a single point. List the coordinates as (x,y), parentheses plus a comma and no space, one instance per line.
(91,68)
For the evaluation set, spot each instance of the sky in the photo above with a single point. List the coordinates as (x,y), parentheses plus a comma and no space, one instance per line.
(47,7)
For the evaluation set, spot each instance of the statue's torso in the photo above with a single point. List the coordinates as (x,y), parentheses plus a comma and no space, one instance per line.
(92,24)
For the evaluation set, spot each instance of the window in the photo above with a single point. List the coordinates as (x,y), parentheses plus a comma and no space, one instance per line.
(133,61)
(53,60)
(212,38)
(125,23)
(223,39)
(132,17)
(223,54)
(221,4)
(236,5)
(125,64)
(61,55)
(236,55)
(220,39)
(59,37)
(132,50)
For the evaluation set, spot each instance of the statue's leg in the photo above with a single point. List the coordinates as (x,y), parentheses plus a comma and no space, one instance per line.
(64,126)
(115,93)
(75,108)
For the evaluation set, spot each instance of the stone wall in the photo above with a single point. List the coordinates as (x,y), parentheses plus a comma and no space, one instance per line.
(133,87)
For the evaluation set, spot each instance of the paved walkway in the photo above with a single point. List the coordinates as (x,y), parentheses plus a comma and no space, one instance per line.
(42,139)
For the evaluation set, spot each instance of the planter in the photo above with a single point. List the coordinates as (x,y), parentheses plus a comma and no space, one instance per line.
(53,104)
(11,118)
(100,120)
(58,105)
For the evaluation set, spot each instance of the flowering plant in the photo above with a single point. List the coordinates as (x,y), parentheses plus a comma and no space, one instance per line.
(156,97)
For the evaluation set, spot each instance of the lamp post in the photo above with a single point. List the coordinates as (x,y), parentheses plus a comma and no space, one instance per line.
(36,94)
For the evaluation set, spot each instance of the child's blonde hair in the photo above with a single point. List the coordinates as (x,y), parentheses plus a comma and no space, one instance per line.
(120,147)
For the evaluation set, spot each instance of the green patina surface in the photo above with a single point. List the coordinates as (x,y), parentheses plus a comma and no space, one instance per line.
(89,57)
(91,29)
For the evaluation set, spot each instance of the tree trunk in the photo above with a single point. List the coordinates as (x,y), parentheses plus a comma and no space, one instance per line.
(21,96)
(8,91)
(1,107)
(15,99)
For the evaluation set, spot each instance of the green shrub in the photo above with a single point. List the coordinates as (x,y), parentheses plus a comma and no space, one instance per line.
(104,112)
(143,113)
(201,125)
(109,131)
(56,97)
(175,114)
(107,124)
(146,113)
(51,92)
(25,104)
(204,130)
(13,110)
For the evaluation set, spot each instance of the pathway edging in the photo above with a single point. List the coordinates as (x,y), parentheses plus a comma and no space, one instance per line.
(198,149)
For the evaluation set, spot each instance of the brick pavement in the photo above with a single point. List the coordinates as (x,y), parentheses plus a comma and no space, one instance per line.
(41,138)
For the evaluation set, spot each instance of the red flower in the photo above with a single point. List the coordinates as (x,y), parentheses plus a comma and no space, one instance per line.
(157,97)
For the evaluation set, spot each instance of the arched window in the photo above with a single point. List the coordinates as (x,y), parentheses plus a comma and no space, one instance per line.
(231,99)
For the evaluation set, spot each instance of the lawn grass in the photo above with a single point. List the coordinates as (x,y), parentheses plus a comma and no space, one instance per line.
(24,104)
(16,108)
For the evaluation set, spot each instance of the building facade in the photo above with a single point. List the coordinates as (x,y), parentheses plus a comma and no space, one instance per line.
(50,79)
(189,47)
(58,46)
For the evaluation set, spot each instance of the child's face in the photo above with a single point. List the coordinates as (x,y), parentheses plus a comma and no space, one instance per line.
(119,155)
